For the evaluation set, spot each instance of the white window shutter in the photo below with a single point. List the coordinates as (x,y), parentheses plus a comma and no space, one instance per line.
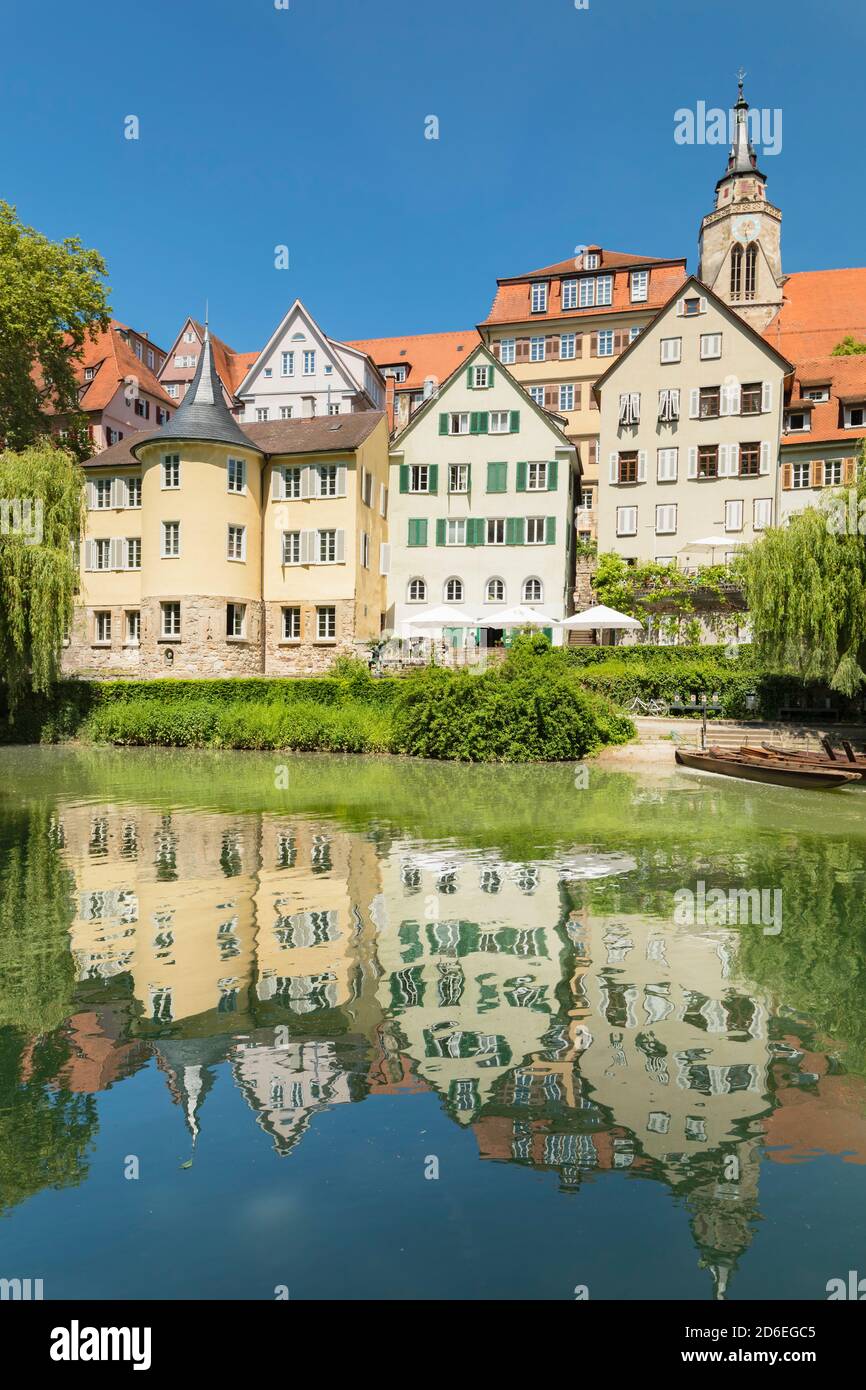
(681,307)
(341,547)
(308,481)
(766,396)
(91,499)
(635,405)
(693,462)
(725,400)
(118,546)
(765,457)
(278,491)
(384,558)
(675,399)
(90,552)
(641,466)
(694,404)
(341,480)
(383,499)
(117,487)
(736,398)
(703,306)
(308,542)
(734,461)
(614,467)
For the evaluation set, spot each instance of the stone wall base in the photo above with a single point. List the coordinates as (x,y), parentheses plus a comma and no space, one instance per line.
(203,649)
(81,657)
(309,656)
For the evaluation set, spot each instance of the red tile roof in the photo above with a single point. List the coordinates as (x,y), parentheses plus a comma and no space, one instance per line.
(231,366)
(846,377)
(426,354)
(115,362)
(512,303)
(820,308)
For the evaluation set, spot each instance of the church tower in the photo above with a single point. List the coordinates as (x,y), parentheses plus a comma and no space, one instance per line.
(741,239)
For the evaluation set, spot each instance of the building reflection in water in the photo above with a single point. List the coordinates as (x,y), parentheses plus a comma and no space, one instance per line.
(317,967)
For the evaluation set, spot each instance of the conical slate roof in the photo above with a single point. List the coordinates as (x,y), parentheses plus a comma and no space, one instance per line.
(203,414)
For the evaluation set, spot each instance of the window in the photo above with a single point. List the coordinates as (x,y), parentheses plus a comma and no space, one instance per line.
(603,289)
(102,555)
(734,515)
(162,417)
(327,478)
(626,521)
(334,409)
(535,530)
(801,475)
(170,539)
(173,389)
(309,363)
(133,553)
(498,422)
(750,399)
(627,472)
(798,422)
(762,513)
(455,531)
(567,345)
(142,407)
(585,499)
(89,373)
(669,404)
(291,624)
(536,349)
(536,477)
(537,394)
(539,298)
(365,550)
(817,393)
(750,460)
(591,260)
(711,345)
(326,624)
(326,547)
(639,286)
(605,343)
(458,423)
(709,402)
(736,272)
(268,372)
(750,277)
(262,413)
(419,478)
(634,332)
(458,477)
(170,626)
(133,627)
(667,465)
(236,614)
(671,349)
(366,487)
(566,397)
(666,519)
(495,530)
(171,471)
(708,461)
(586,292)
(481,377)
(454,591)
(102,626)
(691,307)
(329,369)
(533,591)
(494,591)
(833,473)
(102,493)
(237,475)
(855,417)
(291,547)
(237,543)
(629,408)
(286,412)
(569,294)
(417,591)
(506,351)
(287,364)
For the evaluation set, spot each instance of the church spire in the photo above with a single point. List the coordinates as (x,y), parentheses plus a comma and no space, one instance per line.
(742,159)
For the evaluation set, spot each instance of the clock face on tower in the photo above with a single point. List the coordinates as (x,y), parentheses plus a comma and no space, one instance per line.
(746,229)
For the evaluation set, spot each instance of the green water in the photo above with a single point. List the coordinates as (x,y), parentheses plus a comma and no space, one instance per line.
(368,1028)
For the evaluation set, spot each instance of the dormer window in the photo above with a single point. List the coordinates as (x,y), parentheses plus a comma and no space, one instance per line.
(639,286)
(817,393)
(89,373)
(798,422)
(569,294)
(539,297)
(591,260)
(855,417)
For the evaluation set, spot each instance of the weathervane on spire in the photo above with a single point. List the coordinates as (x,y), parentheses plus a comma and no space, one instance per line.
(740,76)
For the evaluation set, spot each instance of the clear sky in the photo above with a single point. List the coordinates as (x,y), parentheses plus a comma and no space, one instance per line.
(305,126)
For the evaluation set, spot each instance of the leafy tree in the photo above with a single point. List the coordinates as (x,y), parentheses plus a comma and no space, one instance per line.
(41,517)
(849,347)
(52,296)
(644,591)
(805,587)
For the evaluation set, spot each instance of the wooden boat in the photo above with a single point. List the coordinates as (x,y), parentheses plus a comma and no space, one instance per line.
(853,762)
(782,772)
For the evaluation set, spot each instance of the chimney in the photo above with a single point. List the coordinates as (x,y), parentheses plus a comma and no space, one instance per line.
(389,401)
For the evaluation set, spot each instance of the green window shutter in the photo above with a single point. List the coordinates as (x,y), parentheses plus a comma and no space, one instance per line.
(475,528)
(404,477)
(497,474)
(515,421)
(440,530)
(469,374)
(443,422)
(433,477)
(552,471)
(469,476)
(515,529)
(550,531)
(490,375)
(473,422)
(521,477)
(483,418)
(417,530)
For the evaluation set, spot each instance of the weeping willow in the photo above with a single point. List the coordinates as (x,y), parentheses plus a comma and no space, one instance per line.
(41,514)
(805,586)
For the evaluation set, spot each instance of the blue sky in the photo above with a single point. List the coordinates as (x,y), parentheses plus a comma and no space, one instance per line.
(305,127)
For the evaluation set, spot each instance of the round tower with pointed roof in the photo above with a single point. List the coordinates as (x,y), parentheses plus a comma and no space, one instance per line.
(741,239)
(201,550)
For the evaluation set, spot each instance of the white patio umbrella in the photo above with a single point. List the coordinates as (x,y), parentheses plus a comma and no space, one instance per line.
(445,615)
(712,543)
(600,618)
(518,616)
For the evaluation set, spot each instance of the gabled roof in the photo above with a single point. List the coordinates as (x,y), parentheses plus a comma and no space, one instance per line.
(203,413)
(231,366)
(324,342)
(693,283)
(324,434)
(846,377)
(820,308)
(512,302)
(115,362)
(426,354)
(553,421)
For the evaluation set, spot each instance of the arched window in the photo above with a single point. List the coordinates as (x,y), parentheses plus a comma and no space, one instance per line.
(417,591)
(532,591)
(750,287)
(736,272)
(495,591)
(453,590)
